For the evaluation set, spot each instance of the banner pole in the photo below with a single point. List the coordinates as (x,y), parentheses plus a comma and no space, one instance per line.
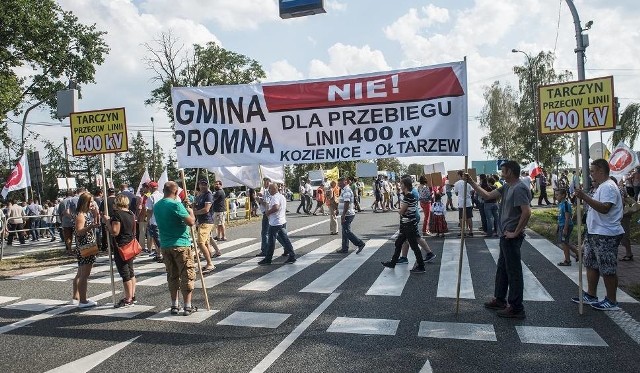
(579,221)
(195,244)
(462,231)
(106,212)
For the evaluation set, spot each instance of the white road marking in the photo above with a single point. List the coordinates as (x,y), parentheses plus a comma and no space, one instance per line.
(289,339)
(329,281)
(274,278)
(533,289)
(559,336)
(448,280)
(355,325)
(392,280)
(255,319)
(89,362)
(453,330)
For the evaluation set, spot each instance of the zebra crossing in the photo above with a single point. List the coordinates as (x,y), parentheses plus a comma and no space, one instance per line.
(311,251)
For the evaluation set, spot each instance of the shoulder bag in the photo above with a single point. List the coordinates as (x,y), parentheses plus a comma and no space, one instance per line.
(131,249)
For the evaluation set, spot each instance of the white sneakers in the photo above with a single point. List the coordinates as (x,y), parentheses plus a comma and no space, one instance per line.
(90,303)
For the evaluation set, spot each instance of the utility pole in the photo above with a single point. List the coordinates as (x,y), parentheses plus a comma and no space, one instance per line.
(153,149)
(582,42)
(66,158)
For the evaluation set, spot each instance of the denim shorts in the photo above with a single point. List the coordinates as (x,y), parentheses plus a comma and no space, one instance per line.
(560,237)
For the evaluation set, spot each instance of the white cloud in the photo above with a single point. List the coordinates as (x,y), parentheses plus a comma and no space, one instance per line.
(347,60)
(282,71)
(335,5)
(228,14)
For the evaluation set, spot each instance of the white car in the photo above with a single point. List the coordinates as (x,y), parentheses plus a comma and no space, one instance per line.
(241,199)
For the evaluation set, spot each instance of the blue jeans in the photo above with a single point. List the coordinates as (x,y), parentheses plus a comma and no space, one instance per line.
(491,213)
(509,273)
(35,229)
(279,231)
(347,235)
(264,234)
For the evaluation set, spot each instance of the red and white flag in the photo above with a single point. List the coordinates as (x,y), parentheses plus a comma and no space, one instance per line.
(622,160)
(19,177)
(534,170)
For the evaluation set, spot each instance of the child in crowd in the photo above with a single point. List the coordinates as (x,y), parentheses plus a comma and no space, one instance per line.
(565,226)
(438,221)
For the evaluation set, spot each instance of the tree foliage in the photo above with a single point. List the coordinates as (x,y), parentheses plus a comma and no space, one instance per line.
(415,169)
(498,117)
(629,126)
(40,37)
(205,66)
(512,120)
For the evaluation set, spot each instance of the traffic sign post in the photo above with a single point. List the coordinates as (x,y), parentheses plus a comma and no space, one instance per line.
(100,132)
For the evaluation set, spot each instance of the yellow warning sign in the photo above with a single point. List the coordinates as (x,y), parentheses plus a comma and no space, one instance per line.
(99,132)
(585,105)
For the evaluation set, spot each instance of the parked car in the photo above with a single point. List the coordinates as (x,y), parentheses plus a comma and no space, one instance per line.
(241,199)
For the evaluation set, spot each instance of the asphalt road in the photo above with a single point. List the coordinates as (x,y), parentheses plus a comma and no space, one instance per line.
(328,312)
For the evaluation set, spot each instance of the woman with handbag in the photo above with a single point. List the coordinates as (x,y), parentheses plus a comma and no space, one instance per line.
(121,226)
(86,220)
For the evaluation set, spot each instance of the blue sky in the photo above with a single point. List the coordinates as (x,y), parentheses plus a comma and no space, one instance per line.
(357,36)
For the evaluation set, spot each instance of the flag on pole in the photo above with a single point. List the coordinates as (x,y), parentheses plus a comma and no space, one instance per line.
(622,160)
(145,179)
(162,179)
(19,177)
(534,170)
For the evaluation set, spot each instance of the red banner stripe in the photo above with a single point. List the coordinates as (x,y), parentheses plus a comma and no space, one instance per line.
(386,88)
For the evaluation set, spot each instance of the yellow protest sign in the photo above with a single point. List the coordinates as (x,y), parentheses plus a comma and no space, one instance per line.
(99,132)
(585,105)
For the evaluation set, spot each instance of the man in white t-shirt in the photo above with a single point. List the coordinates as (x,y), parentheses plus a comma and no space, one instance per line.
(277,227)
(464,203)
(154,198)
(554,186)
(604,233)
(347,213)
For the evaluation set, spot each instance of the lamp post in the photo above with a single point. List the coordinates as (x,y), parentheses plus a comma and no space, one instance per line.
(533,100)
(153,149)
(582,42)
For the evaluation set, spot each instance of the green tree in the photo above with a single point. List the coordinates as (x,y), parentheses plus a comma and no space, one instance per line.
(39,36)
(135,160)
(391,164)
(498,118)
(415,169)
(629,126)
(207,65)
(537,71)
(54,168)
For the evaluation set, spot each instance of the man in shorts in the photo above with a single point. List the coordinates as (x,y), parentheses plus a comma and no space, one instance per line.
(219,211)
(604,233)
(174,222)
(204,216)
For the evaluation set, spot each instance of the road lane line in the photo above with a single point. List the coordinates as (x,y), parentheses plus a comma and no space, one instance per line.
(89,362)
(289,339)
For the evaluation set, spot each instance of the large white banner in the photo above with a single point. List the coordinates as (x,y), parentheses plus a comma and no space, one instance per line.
(412,112)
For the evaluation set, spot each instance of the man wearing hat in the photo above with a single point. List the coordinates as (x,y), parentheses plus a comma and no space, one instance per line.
(154,198)
(204,220)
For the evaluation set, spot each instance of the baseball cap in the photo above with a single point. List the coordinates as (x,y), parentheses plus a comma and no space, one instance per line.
(152,184)
(111,190)
(203,181)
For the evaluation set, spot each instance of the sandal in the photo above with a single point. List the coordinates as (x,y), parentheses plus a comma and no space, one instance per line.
(189,310)
(566,263)
(627,258)
(206,270)
(175,310)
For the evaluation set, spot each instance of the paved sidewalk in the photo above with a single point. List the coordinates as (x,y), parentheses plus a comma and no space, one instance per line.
(629,272)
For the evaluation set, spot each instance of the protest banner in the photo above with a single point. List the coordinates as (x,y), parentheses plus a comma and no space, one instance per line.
(413,112)
(98,132)
(585,105)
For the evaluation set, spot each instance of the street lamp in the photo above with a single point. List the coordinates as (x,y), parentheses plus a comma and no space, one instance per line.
(533,100)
